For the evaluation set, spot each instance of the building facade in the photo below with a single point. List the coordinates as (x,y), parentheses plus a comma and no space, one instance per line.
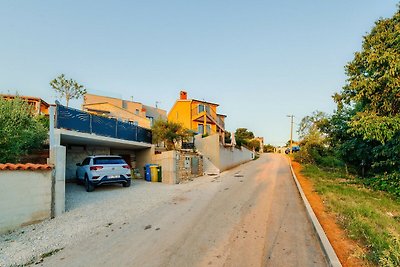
(125,110)
(199,116)
(39,106)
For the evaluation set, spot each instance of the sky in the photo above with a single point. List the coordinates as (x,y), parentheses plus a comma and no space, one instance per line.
(260,60)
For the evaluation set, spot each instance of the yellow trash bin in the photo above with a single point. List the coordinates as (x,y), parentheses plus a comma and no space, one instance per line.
(154,173)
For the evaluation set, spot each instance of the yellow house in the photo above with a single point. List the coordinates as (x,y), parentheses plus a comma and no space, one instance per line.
(198,115)
(134,112)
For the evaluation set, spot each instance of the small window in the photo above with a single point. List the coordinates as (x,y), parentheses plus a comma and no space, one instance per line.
(200,128)
(137,112)
(201,108)
(124,104)
(151,119)
(86,162)
(208,129)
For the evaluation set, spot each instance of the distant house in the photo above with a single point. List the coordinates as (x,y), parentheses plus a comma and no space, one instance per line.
(261,140)
(198,115)
(40,107)
(135,112)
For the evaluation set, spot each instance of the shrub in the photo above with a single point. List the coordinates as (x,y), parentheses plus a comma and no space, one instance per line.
(20,130)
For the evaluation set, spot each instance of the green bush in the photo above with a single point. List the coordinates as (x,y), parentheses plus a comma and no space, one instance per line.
(20,130)
(388,182)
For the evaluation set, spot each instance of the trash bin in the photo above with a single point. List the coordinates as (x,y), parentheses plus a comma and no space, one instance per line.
(147,172)
(159,174)
(154,173)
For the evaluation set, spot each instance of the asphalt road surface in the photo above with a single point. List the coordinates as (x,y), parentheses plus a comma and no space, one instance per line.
(249,216)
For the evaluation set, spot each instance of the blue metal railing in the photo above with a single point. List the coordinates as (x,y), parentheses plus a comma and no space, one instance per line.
(77,120)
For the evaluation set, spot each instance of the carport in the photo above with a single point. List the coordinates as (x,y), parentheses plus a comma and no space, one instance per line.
(80,145)
(75,134)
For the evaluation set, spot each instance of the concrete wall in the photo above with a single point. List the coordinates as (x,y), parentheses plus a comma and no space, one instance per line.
(25,197)
(168,162)
(209,147)
(231,157)
(144,157)
(222,157)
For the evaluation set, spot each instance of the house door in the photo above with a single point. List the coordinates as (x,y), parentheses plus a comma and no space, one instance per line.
(195,165)
(200,128)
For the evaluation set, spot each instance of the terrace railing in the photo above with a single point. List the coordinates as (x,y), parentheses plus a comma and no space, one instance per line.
(210,112)
(81,121)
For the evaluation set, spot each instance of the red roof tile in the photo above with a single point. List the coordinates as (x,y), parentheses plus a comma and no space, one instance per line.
(25,167)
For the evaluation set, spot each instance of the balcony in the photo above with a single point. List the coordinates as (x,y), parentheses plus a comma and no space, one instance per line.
(201,110)
(80,121)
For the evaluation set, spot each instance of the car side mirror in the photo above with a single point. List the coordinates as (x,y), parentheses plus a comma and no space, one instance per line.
(78,164)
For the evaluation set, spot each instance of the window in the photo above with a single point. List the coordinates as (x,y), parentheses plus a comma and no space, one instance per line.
(208,128)
(124,104)
(108,160)
(200,128)
(86,162)
(137,111)
(200,108)
(151,119)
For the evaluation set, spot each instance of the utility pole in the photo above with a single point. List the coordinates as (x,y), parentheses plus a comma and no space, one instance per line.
(291,132)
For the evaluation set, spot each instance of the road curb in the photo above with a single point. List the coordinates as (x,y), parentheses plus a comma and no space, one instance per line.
(330,254)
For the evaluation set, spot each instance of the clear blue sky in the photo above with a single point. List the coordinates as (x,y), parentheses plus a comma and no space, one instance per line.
(261,60)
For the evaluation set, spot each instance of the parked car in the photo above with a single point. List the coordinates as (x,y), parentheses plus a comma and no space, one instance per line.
(294,149)
(99,170)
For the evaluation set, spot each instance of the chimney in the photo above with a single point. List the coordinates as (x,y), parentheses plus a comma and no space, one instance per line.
(183,95)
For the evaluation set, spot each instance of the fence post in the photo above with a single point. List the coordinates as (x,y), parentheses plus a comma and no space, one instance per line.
(90,123)
(116,128)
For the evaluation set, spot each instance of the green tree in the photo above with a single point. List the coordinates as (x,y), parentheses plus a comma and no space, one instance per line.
(374,83)
(20,130)
(366,126)
(269,148)
(243,136)
(228,137)
(254,144)
(314,142)
(67,88)
(170,133)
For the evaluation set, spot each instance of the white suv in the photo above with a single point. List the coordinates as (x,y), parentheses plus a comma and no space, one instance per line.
(104,169)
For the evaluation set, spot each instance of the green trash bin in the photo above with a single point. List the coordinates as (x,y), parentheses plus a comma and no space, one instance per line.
(159,174)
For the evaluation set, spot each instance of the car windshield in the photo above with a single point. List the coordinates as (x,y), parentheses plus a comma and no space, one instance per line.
(108,160)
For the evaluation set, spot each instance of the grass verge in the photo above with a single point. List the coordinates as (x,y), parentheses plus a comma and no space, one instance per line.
(371,218)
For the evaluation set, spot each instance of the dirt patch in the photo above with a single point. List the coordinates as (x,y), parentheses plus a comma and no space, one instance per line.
(346,249)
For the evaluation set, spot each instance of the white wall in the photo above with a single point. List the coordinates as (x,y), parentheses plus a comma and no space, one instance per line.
(25,197)
(222,157)
(209,147)
(231,157)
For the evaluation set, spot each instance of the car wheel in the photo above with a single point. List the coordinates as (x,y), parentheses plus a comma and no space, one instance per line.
(88,185)
(127,184)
